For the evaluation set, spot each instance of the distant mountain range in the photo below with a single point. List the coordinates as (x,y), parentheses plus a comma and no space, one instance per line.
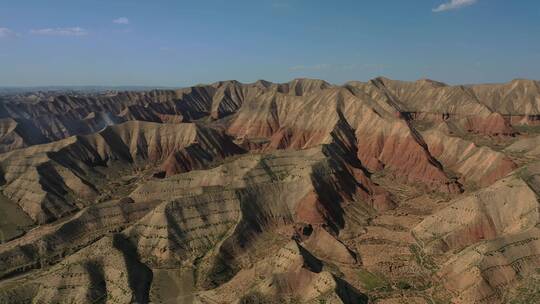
(82,89)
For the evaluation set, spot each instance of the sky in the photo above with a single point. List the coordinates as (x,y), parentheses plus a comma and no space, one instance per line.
(181,43)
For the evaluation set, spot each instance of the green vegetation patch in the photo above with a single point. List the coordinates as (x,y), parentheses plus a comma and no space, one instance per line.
(527,129)
(373,282)
(422,259)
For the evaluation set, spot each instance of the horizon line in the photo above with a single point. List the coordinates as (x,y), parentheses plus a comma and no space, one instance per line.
(112,86)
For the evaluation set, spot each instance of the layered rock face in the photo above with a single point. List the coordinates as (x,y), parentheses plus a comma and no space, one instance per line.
(302,192)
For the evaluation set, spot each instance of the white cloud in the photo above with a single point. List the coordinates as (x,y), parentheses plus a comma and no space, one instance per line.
(5,32)
(453,4)
(364,67)
(121,20)
(297,68)
(60,31)
(317,67)
(338,67)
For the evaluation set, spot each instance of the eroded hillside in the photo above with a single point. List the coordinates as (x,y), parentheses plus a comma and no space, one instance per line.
(303,192)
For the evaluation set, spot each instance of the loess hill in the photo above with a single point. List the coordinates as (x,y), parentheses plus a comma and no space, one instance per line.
(303,192)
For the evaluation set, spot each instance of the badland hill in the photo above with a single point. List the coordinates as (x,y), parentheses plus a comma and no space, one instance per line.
(303,192)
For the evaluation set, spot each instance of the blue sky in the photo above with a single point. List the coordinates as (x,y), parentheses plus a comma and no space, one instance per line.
(180,43)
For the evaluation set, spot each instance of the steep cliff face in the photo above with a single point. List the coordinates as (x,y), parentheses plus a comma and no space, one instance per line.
(303,191)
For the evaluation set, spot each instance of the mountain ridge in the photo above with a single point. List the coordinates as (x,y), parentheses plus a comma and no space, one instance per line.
(379,191)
